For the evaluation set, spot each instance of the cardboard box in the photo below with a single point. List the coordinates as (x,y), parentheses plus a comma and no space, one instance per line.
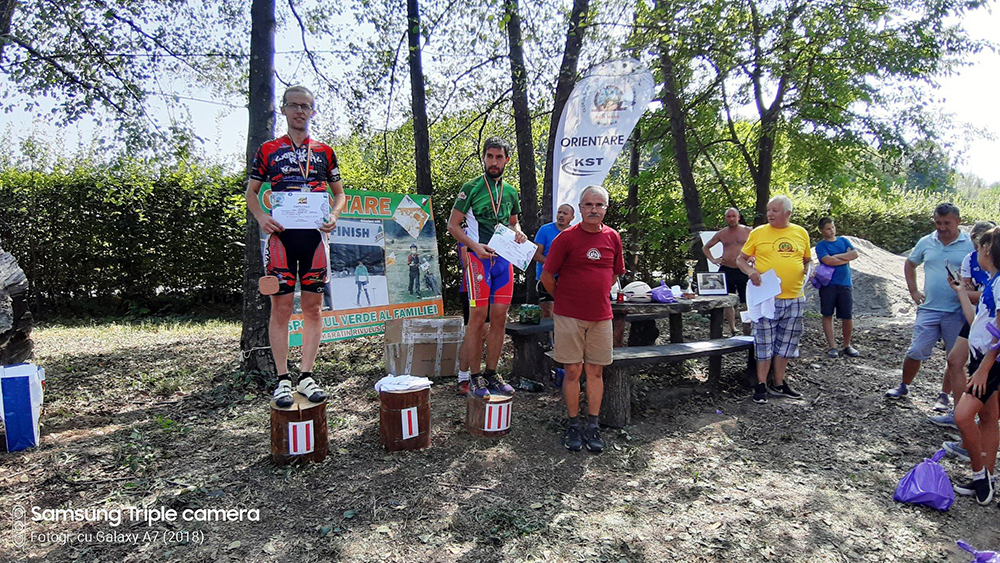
(426,347)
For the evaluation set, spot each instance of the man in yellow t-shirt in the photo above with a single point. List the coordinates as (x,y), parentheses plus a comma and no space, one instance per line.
(783,247)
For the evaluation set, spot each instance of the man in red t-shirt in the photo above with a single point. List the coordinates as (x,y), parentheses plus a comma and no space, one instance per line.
(589,257)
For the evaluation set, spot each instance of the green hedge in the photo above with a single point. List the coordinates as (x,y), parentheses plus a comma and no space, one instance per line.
(134,235)
(895,222)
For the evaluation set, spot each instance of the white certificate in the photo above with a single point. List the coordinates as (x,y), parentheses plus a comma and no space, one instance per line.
(503,243)
(770,286)
(300,210)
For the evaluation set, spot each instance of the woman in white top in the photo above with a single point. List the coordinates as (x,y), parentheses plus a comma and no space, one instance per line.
(981,440)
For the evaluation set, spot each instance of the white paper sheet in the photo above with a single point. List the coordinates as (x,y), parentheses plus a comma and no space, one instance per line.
(715,251)
(519,255)
(770,286)
(754,313)
(300,210)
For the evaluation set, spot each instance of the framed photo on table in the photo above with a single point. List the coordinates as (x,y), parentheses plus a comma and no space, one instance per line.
(712,283)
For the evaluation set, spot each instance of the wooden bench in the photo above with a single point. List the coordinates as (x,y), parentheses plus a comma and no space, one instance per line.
(530,342)
(616,405)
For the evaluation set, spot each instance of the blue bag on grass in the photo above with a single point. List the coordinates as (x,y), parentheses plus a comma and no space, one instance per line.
(980,556)
(927,484)
(21,404)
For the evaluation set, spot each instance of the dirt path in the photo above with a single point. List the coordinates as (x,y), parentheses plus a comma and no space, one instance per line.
(696,478)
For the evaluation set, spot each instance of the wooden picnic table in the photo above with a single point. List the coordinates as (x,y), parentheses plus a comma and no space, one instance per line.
(531,341)
(616,407)
(637,313)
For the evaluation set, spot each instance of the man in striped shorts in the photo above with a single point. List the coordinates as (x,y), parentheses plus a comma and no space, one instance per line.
(783,247)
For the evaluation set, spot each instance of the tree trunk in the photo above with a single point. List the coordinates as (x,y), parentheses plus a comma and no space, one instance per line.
(257,359)
(421,136)
(692,201)
(765,163)
(525,140)
(632,202)
(6,17)
(671,99)
(564,87)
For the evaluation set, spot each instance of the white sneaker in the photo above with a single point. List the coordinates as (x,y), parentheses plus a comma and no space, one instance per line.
(283,394)
(308,389)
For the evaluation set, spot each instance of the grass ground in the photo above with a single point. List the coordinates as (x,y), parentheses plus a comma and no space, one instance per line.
(151,415)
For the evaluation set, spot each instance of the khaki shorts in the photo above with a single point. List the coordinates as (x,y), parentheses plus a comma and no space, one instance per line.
(583,341)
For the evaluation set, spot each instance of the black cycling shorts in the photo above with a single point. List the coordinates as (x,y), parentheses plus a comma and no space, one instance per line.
(297,254)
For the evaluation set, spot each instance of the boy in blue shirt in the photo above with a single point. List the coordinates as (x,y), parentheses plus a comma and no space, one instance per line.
(543,238)
(837,252)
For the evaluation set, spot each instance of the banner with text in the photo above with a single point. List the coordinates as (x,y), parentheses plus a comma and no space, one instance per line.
(599,116)
(383,265)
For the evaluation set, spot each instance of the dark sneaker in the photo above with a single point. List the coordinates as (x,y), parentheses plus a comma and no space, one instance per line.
(496,384)
(850,351)
(784,391)
(760,394)
(897,392)
(572,439)
(592,436)
(943,403)
(283,394)
(832,353)
(984,490)
(308,389)
(968,488)
(478,386)
(462,388)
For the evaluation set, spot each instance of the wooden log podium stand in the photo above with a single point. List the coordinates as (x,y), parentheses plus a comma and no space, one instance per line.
(490,417)
(298,433)
(405,420)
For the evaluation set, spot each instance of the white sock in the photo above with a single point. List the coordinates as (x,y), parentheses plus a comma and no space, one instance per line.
(977,475)
(464,375)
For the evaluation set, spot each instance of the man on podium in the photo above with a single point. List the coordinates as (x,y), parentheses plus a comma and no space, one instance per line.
(296,163)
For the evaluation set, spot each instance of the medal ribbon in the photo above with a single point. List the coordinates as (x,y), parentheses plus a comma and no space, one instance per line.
(495,204)
(304,172)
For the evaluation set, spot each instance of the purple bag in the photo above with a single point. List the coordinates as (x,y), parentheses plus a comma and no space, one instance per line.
(662,294)
(980,556)
(926,484)
(995,333)
(822,276)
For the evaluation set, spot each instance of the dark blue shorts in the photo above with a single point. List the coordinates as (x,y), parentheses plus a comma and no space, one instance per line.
(837,297)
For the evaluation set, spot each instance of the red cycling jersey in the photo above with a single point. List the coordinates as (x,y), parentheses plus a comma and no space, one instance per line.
(283,164)
(296,253)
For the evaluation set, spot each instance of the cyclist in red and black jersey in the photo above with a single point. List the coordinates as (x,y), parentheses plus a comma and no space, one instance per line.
(294,162)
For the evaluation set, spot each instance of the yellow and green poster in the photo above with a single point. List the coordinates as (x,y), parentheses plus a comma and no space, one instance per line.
(383,265)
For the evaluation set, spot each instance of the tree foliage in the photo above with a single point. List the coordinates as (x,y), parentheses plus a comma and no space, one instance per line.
(104,58)
(825,78)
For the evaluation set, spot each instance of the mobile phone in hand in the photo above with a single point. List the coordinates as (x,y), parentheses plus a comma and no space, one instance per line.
(952,275)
